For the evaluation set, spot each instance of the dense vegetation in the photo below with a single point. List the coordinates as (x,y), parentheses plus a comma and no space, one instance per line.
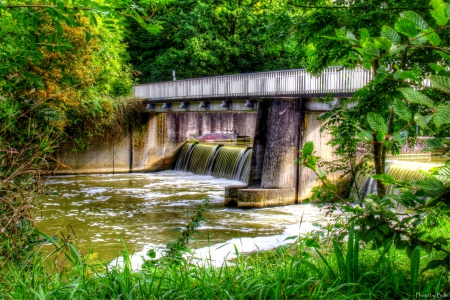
(65,72)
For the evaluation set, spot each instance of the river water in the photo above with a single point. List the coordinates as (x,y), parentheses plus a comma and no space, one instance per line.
(143,209)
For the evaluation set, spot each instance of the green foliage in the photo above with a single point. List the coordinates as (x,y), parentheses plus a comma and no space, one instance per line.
(210,38)
(25,147)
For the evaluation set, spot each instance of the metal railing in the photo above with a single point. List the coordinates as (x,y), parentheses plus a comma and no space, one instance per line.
(333,80)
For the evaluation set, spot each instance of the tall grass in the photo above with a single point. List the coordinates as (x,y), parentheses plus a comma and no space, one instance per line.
(289,272)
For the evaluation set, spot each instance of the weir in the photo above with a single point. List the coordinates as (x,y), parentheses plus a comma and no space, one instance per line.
(216,160)
(399,170)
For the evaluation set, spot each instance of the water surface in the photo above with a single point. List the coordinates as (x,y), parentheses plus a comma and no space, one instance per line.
(144,208)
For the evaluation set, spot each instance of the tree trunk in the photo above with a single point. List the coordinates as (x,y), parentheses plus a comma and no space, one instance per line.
(379,157)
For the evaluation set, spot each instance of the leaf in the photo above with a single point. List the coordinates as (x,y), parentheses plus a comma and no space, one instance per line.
(431,186)
(437,68)
(432,37)
(311,243)
(371,49)
(441,83)
(420,121)
(365,136)
(415,18)
(442,115)
(408,199)
(381,75)
(402,110)
(376,122)
(351,36)
(407,27)
(434,143)
(399,138)
(308,148)
(384,227)
(381,136)
(387,179)
(383,43)
(365,35)
(433,264)
(341,33)
(443,55)
(390,34)
(439,12)
(441,240)
(151,253)
(415,265)
(414,96)
(411,75)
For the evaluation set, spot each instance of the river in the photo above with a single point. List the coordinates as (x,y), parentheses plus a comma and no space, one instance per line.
(143,209)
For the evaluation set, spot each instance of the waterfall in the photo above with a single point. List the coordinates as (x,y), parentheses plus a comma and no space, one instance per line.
(399,170)
(217,160)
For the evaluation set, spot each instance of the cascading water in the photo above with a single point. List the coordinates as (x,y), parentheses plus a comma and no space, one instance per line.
(217,160)
(399,170)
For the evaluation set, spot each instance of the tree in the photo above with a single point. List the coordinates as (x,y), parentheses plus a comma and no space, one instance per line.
(396,104)
(52,53)
(213,37)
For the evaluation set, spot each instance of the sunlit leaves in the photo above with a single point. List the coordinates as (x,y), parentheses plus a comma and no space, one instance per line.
(406,27)
(439,12)
(308,148)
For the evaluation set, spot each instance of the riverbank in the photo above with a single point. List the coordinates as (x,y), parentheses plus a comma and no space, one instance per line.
(293,271)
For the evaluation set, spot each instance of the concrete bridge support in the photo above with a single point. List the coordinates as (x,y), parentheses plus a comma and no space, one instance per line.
(274,175)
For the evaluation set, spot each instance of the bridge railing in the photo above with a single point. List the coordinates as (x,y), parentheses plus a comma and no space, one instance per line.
(333,80)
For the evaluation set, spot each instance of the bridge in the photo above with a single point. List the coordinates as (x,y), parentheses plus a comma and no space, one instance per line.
(239,92)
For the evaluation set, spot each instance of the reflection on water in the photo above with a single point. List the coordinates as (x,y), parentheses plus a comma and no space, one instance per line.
(142,209)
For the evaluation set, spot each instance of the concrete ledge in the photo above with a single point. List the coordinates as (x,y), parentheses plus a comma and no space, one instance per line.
(231,194)
(258,198)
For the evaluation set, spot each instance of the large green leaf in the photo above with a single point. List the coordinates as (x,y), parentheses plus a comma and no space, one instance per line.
(414,17)
(420,121)
(364,33)
(442,115)
(414,96)
(431,186)
(371,49)
(390,34)
(432,37)
(402,110)
(439,12)
(383,43)
(441,82)
(376,122)
(407,27)
(308,148)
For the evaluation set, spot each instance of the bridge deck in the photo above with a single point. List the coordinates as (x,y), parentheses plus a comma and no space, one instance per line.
(289,83)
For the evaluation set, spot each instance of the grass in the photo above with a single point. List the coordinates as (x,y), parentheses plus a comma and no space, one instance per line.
(306,268)
(288,272)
